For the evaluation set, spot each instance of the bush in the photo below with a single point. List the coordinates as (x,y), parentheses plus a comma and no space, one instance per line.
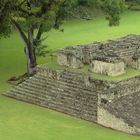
(87,2)
(134,4)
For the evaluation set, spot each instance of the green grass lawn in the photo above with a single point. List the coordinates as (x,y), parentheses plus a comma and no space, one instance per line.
(21,121)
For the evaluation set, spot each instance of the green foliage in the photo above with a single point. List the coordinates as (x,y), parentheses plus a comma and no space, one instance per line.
(67,8)
(48,13)
(21,121)
(43,13)
(88,2)
(138,1)
(133,1)
(40,15)
(133,4)
(113,9)
(5,10)
(41,50)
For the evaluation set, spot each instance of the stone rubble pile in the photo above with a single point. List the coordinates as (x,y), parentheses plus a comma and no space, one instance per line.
(113,55)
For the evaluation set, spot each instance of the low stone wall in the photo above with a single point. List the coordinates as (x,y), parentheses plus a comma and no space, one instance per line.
(110,69)
(118,89)
(107,119)
(69,60)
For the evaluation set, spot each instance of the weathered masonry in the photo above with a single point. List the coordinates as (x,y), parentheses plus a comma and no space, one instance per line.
(114,104)
(109,57)
(81,95)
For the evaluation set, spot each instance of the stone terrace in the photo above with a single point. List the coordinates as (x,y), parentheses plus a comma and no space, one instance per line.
(119,48)
(109,57)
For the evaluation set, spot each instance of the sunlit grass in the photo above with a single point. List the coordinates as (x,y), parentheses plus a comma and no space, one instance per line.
(20,121)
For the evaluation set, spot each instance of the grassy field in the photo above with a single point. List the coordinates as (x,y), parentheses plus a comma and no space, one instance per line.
(21,121)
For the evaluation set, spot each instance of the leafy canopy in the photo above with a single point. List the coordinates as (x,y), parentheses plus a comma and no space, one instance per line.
(46,13)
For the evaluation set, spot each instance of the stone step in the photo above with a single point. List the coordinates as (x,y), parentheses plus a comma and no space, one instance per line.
(127,50)
(73,75)
(25,92)
(62,82)
(66,94)
(66,79)
(32,100)
(61,85)
(36,99)
(22,97)
(125,55)
(55,92)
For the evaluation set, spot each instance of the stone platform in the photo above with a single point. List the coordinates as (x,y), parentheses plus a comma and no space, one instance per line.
(113,104)
(109,58)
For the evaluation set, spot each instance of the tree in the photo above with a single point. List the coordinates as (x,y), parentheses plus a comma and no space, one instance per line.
(88,2)
(29,17)
(113,10)
(34,17)
(133,1)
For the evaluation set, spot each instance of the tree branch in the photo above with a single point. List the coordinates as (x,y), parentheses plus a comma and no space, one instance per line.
(22,34)
(18,8)
(31,34)
(22,3)
(43,39)
(39,34)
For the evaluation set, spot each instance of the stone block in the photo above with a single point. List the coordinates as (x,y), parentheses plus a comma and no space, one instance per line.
(110,69)
(69,60)
(62,59)
(136,63)
(75,63)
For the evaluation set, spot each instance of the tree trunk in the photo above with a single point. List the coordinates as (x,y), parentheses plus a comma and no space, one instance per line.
(31,60)
(29,50)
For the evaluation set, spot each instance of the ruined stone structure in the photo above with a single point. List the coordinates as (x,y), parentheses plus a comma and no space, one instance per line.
(108,58)
(114,104)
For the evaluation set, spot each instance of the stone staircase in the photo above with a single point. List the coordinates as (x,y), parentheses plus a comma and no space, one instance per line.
(68,94)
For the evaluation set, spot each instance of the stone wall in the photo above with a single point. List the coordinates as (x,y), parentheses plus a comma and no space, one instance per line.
(113,51)
(110,69)
(107,119)
(120,88)
(69,60)
(127,109)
